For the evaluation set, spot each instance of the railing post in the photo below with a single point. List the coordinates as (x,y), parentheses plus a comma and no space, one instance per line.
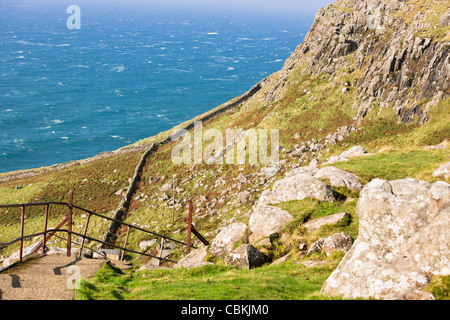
(189,226)
(84,235)
(161,251)
(125,245)
(69,223)
(22,221)
(44,241)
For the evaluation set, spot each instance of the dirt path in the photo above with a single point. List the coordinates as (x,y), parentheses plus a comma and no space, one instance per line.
(46,278)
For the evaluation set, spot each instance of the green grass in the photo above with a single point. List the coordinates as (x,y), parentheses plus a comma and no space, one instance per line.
(396,164)
(439,287)
(287,281)
(309,209)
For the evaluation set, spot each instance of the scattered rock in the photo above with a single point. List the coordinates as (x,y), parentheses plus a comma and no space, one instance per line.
(265,243)
(224,241)
(166,187)
(444,20)
(355,151)
(281,260)
(334,159)
(443,171)
(246,256)
(302,170)
(337,242)
(314,163)
(296,187)
(316,246)
(315,224)
(269,172)
(339,178)
(194,259)
(144,245)
(244,196)
(266,220)
(241,178)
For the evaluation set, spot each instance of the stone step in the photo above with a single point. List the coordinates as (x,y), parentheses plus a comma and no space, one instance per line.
(20,281)
(36,294)
(46,278)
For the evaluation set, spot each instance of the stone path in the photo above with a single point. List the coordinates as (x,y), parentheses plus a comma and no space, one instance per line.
(46,278)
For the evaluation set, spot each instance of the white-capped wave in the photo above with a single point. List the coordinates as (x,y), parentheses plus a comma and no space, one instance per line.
(118,69)
(42,44)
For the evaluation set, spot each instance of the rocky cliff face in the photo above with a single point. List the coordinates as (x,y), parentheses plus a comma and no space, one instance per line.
(397,52)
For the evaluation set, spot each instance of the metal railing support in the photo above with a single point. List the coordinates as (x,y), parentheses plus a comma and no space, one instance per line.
(189,227)
(22,222)
(44,240)
(69,223)
(126,242)
(84,235)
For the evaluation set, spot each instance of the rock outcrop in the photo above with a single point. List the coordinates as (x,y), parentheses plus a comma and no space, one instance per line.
(297,187)
(246,256)
(339,178)
(403,240)
(194,259)
(267,220)
(443,171)
(402,60)
(223,243)
(315,224)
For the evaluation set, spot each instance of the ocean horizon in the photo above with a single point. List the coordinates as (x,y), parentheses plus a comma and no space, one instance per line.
(125,74)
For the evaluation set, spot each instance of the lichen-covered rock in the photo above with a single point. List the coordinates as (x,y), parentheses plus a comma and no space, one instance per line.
(339,178)
(224,241)
(246,256)
(337,242)
(316,246)
(266,220)
(355,151)
(194,259)
(313,225)
(443,171)
(296,187)
(403,239)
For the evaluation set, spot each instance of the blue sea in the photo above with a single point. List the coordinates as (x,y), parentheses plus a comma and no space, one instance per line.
(128,73)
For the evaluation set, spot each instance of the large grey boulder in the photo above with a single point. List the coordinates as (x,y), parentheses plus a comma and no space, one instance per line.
(246,256)
(194,259)
(403,239)
(339,178)
(223,243)
(296,187)
(267,220)
(337,242)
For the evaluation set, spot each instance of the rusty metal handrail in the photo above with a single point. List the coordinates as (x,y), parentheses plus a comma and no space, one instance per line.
(68,220)
(191,229)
